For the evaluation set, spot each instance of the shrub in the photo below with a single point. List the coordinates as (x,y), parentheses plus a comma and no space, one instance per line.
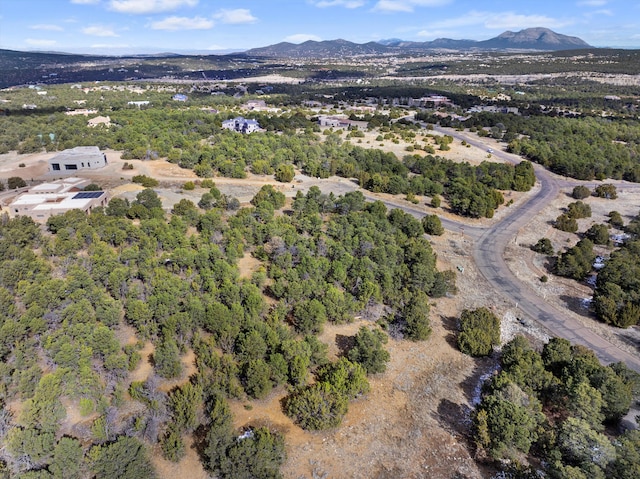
(368,350)
(16,182)
(189,186)
(284,173)
(566,223)
(615,219)
(578,209)
(577,261)
(316,407)
(581,192)
(432,225)
(145,181)
(86,406)
(479,332)
(607,190)
(599,234)
(543,246)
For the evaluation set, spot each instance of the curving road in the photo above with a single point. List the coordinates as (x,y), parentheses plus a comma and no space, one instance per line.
(489,247)
(489,258)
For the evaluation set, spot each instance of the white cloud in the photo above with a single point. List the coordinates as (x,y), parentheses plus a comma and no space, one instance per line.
(99,31)
(406,5)
(183,23)
(302,37)
(431,34)
(50,28)
(235,17)
(604,11)
(338,3)
(110,46)
(36,42)
(85,2)
(149,6)
(495,21)
(512,20)
(593,3)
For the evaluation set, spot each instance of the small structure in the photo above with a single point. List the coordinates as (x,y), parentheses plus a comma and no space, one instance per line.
(255,105)
(180,97)
(431,101)
(78,158)
(99,120)
(334,121)
(57,197)
(138,103)
(241,125)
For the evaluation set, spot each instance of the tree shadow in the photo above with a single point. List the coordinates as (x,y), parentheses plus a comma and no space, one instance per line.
(200,442)
(472,385)
(450,324)
(345,344)
(577,305)
(550,264)
(630,340)
(455,418)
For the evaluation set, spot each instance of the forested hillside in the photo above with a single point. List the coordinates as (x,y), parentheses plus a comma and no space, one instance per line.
(83,298)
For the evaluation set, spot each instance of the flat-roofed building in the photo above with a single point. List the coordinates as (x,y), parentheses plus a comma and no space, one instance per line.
(55,198)
(78,158)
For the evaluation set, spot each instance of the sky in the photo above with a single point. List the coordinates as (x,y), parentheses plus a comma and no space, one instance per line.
(152,26)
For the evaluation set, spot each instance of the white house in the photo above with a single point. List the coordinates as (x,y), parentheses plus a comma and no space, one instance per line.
(55,198)
(241,125)
(78,158)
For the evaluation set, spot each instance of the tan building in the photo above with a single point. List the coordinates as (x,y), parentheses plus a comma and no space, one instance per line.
(56,198)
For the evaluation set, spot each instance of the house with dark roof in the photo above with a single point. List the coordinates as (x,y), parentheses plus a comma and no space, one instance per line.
(241,125)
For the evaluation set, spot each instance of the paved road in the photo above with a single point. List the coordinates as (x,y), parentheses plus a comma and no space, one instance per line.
(489,248)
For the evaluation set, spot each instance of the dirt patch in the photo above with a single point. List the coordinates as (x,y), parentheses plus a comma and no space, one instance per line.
(247,265)
(188,369)
(145,368)
(189,467)
(35,165)
(457,151)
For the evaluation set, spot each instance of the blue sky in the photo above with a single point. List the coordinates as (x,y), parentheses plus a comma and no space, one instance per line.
(143,26)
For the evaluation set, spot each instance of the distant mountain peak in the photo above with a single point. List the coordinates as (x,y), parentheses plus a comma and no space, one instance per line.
(538,38)
(534,39)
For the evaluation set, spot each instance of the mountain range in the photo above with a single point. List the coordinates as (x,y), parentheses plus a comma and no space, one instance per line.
(540,39)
